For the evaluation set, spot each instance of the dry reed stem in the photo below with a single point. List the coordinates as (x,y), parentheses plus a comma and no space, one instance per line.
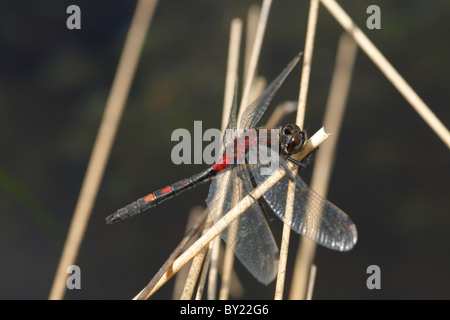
(233,214)
(307,60)
(194,216)
(194,272)
(258,87)
(145,293)
(312,280)
(304,85)
(256,49)
(284,249)
(213,269)
(280,112)
(232,69)
(256,26)
(103,143)
(231,80)
(252,25)
(195,269)
(228,261)
(236,289)
(202,281)
(337,100)
(388,70)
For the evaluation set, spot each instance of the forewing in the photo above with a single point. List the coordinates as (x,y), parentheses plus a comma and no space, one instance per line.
(256,109)
(232,118)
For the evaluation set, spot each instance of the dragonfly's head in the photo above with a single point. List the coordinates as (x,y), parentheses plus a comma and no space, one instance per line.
(292,139)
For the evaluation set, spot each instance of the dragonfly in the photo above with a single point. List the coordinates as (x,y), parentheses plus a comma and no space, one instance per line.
(233,176)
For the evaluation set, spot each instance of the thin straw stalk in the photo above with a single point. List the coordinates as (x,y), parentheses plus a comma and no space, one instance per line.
(280,112)
(256,25)
(337,100)
(103,143)
(234,213)
(202,281)
(196,214)
(230,89)
(195,269)
(304,85)
(144,294)
(307,60)
(312,280)
(232,69)
(228,262)
(256,49)
(250,35)
(388,70)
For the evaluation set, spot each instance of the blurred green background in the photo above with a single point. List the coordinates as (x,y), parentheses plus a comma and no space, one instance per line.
(391,174)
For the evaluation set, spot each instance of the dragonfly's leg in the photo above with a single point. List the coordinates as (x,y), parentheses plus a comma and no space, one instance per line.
(304,162)
(287,170)
(247,188)
(307,160)
(299,163)
(242,175)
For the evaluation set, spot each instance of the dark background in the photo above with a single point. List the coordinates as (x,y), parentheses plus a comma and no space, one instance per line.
(391,173)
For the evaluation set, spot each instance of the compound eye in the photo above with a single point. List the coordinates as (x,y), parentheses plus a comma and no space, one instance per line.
(287,130)
(302,134)
(297,142)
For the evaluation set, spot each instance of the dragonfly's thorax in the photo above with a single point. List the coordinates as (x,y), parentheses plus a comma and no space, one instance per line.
(240,149)
(252,144)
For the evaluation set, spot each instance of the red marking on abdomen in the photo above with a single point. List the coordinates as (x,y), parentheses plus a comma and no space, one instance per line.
(166,189)
(224,163)
(150,197)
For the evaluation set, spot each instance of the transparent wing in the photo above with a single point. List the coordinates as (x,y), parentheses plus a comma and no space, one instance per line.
(228,135)
(256,109)
(325,224)
(249,237)
(232,118)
